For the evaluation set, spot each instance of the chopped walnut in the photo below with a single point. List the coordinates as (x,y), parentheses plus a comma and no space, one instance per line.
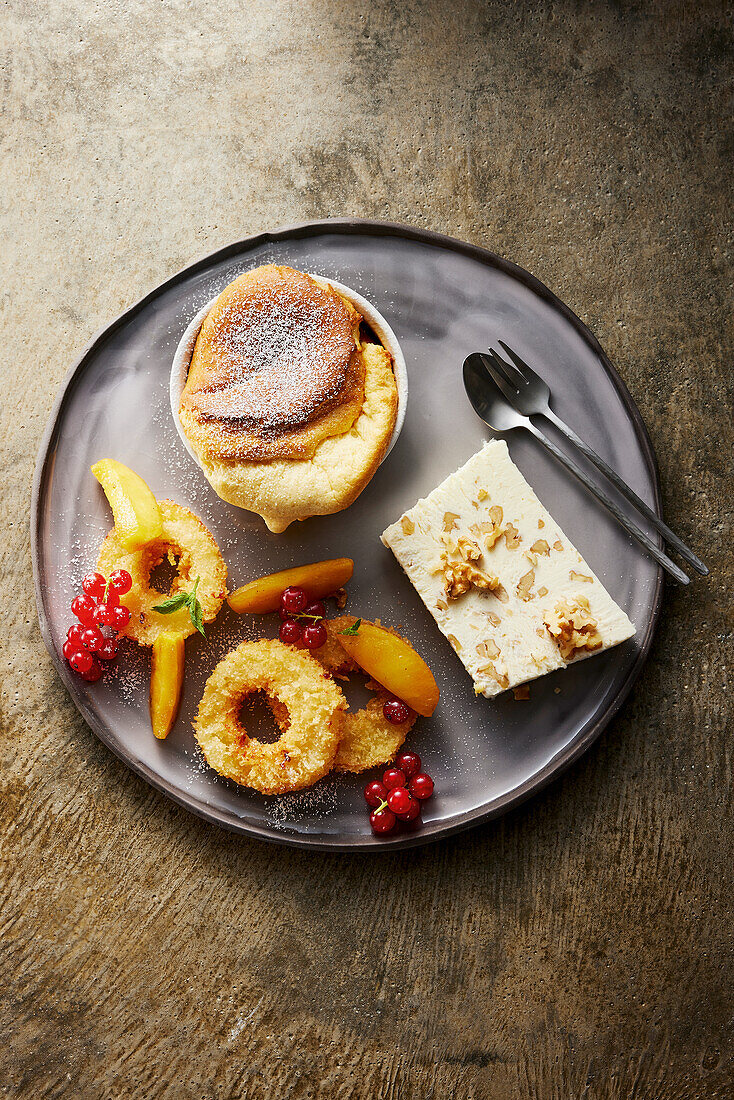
(540,546)
(573,627)
(542,591)
(488,649)
(449,520)
(512,537)
(442,605)
(459,576)
(521,693)
(558,545)
(524,585)
(541,632)
(574,576)
(501,677)
(482,494)
(541,524)
(493,531)
(500,592)
(341,598)
(467,550)
(454,641)
(407,525)
(494,619)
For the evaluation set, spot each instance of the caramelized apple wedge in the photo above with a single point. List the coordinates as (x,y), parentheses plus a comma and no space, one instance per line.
(317,580)
(136,512)
(166,681)
(393,663)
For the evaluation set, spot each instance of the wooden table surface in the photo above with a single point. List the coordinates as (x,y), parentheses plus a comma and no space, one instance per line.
(582,946)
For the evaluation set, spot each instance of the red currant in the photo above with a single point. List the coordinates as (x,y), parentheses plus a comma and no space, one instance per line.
(81,661)
(108,649)
(317,610)
(103,614)
(290,632)
(375,793)
(413,811)
(92,639)
(84,607)
(314,636)
(399,801)
(74,635)
(120,617)
(382,821)
(409,763)
(94,585)
(120,582)
(93,673)
(393,777)
(421,786)
(294,600)
(68,648)
(396,711)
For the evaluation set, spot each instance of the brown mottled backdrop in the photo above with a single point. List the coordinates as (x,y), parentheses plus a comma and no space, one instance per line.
(582,946)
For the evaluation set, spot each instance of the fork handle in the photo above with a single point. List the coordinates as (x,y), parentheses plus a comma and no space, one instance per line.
(630,494)
(632,528)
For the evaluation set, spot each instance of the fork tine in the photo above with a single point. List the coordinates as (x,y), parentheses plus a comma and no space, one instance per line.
(507,391)
(507,371)
(521,365)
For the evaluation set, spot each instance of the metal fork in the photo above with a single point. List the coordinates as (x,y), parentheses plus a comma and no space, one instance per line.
(529,394)
(494,408)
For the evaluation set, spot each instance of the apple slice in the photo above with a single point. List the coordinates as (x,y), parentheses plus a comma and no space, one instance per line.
(166,681)
(317,580)
(394,664)
(136,512)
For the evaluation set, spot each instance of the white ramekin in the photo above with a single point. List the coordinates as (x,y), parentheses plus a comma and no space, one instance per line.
(378,324)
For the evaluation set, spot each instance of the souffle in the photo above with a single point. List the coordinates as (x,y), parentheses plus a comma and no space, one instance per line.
(289,408)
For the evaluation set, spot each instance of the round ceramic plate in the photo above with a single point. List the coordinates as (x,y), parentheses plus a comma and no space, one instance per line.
(444,299)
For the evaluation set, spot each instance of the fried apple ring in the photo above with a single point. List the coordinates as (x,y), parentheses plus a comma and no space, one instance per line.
(310,712)
(184,537)
(368,738)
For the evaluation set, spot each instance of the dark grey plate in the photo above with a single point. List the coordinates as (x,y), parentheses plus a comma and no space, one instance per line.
(444,299)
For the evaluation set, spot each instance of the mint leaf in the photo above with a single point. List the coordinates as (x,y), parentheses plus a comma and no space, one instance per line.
(196,615)
(353,629)
(184,599)
(172,603)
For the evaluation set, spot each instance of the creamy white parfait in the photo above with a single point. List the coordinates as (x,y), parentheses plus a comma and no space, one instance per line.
(506,586)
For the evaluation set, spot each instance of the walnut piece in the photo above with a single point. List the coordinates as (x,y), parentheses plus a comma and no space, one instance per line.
(512,537)
(524,585)
(543,591)
(574,576)
(467,550)
(573,627)
(494,619)
(449,520)
(488,649)
(341,598)
(459,576)
(501,677)
(500,592)
(407,525)
(454,641)
(558,545)
(540,546)
(442,605)
(482,494)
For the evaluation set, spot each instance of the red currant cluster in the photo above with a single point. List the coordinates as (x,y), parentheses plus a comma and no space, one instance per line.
(302,621)
(399,796)
(97,607)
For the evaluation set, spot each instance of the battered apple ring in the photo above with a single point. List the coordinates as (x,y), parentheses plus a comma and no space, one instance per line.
(184,537)
(310,709)
(368,738)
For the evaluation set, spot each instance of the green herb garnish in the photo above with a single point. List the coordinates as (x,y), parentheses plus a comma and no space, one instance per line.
(184,599)
(353,629)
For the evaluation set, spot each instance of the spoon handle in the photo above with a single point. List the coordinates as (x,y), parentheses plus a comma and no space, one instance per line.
(632,528)
(630,494)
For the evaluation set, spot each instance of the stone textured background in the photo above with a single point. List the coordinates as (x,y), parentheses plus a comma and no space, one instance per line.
(582,946)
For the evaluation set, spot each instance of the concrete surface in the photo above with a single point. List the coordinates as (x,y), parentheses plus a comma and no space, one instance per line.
(581,947)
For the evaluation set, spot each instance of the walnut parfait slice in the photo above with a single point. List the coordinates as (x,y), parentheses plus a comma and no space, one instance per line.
(507,588)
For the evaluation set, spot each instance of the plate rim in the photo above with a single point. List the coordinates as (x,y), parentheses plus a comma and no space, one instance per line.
(559,763)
